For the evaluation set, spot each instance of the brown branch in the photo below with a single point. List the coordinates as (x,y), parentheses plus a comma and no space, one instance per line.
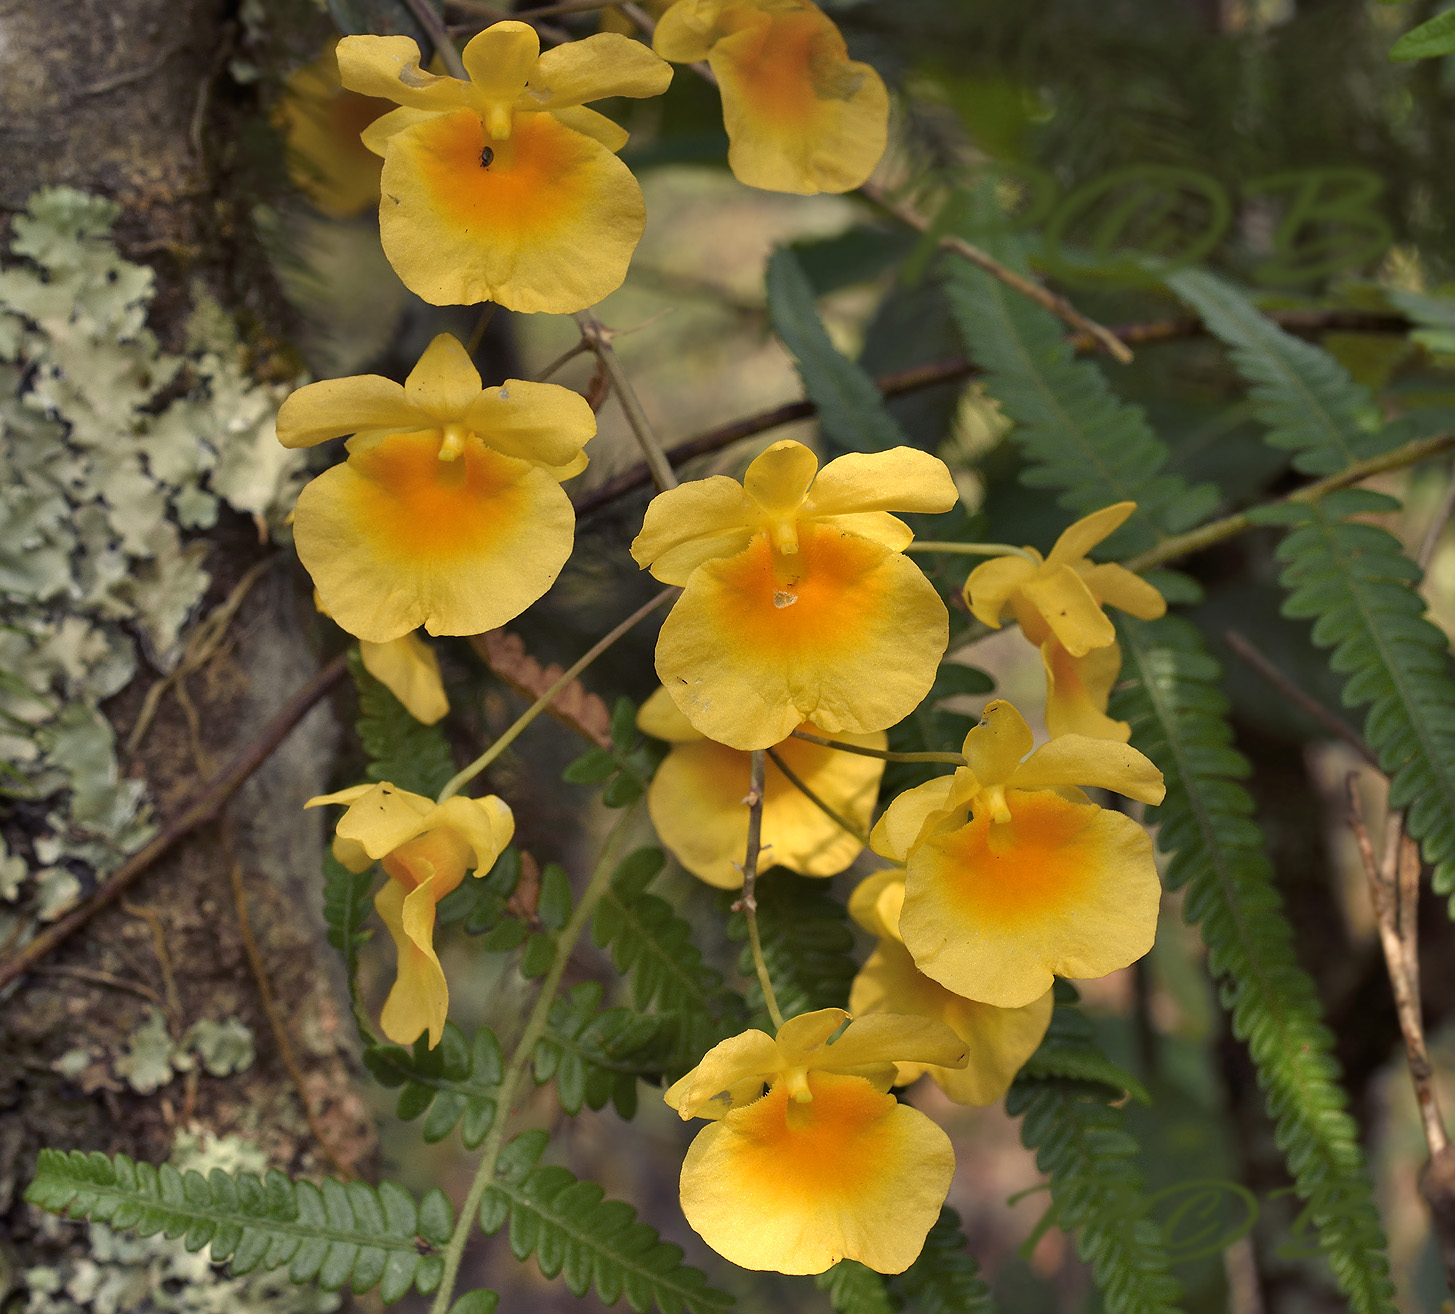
(206,804)
(1394,886)
(902,382)
(1285,686)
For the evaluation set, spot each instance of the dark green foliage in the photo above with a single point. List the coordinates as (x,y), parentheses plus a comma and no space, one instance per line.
(1306,398)
(455,1081)
(586,1239)
(855,1289)
(400,750)
(1077,436)
(480,906)
(1352,579)
(1096,1187)
(945,1279)
(807,944)
(851,409)
(626,767)
(346,903)
(334,1234)
(651,944)
(596,1055)
(1178,716)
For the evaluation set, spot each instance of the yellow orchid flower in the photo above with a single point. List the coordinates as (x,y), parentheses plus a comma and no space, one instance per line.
(997,1040)
(801,116)
(321,122)
(505,187)
(425,848)
(826,1165)
(696,800)
(799,604)
(409,669)
(1058,603)
(449,512)
(1039,880)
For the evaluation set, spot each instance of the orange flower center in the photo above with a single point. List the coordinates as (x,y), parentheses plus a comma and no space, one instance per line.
(1025,870)
(519,186)
(425,507)
(788,71)
(805,604)
(826,1145)
(441,853)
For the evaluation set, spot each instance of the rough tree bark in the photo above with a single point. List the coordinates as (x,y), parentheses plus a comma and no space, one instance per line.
(130,99)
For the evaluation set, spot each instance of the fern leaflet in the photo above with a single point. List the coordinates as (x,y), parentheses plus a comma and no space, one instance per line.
(945,1279)
(1178,716)
(332,1234)
(400,750)
(1096,1187)
(1077,435)
(648,940)
(1352,579)
(855,1289)
(595,1055)
(807,944)
(454,1082)
(576,1233)
(850,407)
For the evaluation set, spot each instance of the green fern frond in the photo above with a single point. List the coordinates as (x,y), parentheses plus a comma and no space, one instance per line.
(400,750)
(333,1234)
(1355,583)
(1310,403)
(945,1279)
(653,945)
(626,767)
(1351,579)
(851,409)
(482,906)
(1096,1187)
(807,944)
(586,1239)
(596,1055)
(1178,716)
(1076,434)
(346,904)
(855,1289)
(456,1082)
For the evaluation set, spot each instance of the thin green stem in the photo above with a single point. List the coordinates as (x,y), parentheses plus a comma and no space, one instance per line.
(749,903)
(974,549)
(598,339)
(798,783)
(1195,540)
(954,759)
(463,778)
(520,1058)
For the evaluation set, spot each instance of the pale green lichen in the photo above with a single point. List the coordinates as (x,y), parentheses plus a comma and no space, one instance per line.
(152,1058)
(111,451)
(125,1275)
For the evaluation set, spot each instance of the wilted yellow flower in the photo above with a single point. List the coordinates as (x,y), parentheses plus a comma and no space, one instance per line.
(799,605)
(1039,880)
(998,1041)
(449,512)
(826,1165)
(321,122)
(1058,603)
(505,187)
(409,669)
(801,116)
(697,800)
(425,848)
